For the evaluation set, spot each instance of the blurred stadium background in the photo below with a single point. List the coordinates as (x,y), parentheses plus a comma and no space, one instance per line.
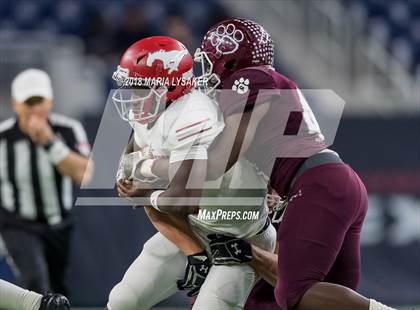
(367,51)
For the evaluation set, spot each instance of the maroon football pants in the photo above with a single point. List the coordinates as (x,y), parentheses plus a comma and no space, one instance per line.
(319,237)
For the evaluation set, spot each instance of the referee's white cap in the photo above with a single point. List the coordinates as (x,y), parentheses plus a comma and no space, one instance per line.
(31,83)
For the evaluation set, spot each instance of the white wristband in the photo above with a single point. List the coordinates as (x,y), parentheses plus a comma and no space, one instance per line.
(146,168)
(58,151)
(154,198)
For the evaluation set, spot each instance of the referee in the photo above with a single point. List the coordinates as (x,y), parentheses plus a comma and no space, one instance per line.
(41,155)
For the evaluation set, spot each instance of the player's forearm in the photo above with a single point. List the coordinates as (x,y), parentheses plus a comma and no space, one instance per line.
(160,168)
(179,202)
(265,264)
(77,167)
(177,230)
(216,166)
(183,195)
(234,140)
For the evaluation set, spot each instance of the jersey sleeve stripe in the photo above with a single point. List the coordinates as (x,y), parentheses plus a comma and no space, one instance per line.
(195,133)
(192,125)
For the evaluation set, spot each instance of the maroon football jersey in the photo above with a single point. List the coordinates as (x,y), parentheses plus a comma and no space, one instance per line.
(286,135)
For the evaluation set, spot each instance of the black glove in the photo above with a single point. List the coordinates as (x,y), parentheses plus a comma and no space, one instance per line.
(54,302)
(198,266)
(227,250)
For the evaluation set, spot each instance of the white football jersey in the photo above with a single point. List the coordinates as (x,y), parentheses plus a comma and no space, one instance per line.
(239,209)
(184,131)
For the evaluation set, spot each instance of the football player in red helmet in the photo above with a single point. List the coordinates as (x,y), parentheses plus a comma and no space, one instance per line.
(319,236)
(177,123)
(160,68)
(155,76)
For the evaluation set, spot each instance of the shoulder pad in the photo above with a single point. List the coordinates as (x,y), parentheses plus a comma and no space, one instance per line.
(246,88)
(195,127)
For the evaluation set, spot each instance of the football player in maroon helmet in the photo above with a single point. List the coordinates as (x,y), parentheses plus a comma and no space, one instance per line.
(319,237)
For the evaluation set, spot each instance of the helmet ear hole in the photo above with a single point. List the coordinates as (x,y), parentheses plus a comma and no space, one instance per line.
(230,65)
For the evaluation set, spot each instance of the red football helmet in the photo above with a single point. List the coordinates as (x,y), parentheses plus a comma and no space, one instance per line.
(232,45)
(156,71)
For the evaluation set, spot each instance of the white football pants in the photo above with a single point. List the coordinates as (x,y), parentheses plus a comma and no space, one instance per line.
(152,277)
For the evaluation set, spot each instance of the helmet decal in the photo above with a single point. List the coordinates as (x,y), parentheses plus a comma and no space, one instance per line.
(264,36)
(241,86)
(229,35)
(120,75)
(231,45)
(170,59)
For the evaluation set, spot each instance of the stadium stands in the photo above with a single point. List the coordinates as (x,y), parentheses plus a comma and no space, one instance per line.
(397,24)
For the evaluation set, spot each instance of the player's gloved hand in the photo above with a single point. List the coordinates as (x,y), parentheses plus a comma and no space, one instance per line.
(137,166)
(54,302)
(127,165)
(227,250)
(198,266)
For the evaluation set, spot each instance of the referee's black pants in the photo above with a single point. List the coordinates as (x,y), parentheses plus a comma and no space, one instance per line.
(41,255)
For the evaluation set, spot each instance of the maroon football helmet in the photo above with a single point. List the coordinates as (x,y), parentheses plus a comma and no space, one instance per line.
(232,45)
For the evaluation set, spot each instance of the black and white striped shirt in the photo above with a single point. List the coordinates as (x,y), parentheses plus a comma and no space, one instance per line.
(31,188)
